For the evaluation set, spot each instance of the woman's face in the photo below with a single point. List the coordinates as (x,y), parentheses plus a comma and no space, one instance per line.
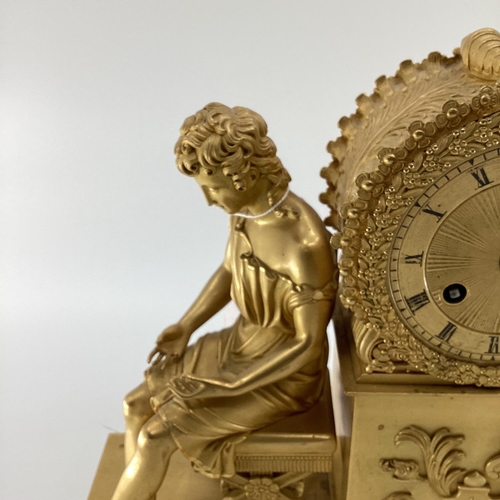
(219,191)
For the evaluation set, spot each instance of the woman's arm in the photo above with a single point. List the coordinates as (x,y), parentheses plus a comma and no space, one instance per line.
(173,340)
(310,319)
(214,296)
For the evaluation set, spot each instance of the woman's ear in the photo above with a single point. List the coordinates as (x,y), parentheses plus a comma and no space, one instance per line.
(253,176)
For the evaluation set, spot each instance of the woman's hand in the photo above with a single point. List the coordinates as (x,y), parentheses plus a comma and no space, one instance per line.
(171,343)
(185,388)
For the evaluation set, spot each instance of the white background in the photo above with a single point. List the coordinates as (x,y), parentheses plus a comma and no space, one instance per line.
(102,242)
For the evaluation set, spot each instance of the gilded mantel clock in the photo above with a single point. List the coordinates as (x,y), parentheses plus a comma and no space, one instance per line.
(414,188)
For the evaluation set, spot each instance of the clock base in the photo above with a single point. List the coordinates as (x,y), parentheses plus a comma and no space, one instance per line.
(418,441)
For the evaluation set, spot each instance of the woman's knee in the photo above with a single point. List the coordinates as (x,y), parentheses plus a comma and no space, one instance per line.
(136,403)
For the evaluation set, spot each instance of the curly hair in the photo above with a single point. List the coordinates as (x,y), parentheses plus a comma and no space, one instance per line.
(232,139)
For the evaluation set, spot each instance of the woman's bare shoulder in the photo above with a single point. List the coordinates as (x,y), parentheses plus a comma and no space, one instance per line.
(308,245)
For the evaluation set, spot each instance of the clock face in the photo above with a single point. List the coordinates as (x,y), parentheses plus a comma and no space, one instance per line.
(444,262)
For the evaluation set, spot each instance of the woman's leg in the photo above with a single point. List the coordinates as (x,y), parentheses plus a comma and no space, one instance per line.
(144,474)
(137,411)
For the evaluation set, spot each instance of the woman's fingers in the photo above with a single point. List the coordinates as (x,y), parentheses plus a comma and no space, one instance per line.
(185,387)
(152,354)
(156,357)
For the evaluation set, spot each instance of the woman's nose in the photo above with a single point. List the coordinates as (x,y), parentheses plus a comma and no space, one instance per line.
(208,197)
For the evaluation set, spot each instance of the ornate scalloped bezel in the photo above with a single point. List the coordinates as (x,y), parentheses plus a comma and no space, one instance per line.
(370,221)
(415,93)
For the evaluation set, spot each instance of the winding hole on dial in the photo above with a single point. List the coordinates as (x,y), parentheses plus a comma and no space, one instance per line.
(454,293)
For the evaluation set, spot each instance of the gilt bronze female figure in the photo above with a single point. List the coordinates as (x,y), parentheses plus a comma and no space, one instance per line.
(205,398)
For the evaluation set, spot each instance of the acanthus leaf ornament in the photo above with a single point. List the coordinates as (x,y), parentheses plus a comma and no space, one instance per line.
(441,455)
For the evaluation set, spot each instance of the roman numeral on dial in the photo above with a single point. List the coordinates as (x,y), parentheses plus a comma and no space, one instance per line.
(494,345)
(414,259)
(447,332)
(417,301)
(435,213)
(480,175)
